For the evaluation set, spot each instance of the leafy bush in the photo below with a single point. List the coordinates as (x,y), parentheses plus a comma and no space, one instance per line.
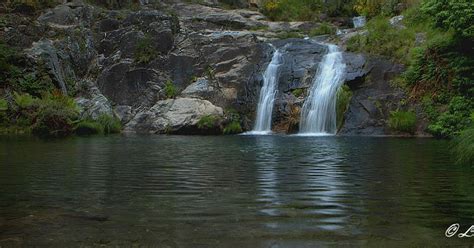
(170,89)
(24,101)
(344,95)
(383,39)
(110,124)
(88,127)
(145,52)
(324,28)
(457,15)
(402,121)
(297,92)
(208,121)
(55,116)
(462,147)
(3,105)
(233,128)
(305,10)
(454,119)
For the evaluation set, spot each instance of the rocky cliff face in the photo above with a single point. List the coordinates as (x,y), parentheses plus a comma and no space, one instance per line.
(124,63)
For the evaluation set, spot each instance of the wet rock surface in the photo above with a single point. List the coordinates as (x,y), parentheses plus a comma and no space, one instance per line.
(212,57)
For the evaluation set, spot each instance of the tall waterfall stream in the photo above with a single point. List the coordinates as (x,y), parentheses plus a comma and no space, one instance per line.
(318,115)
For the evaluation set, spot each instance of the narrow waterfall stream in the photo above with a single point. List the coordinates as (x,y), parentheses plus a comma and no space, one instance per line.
(318,115)
(263,123)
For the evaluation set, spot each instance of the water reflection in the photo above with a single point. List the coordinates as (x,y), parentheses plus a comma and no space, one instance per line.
(250,191)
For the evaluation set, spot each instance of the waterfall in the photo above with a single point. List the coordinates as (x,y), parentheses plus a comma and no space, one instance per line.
(263,122)
(318,115)
(359,21)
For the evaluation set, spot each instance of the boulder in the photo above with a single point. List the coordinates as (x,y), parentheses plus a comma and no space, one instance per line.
(397,22)
(94,105)
(198,89)
(179,115)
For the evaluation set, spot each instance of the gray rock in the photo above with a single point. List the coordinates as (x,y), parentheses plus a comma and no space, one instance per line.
(179,115)
(373,96)
(68,15)
(397,22)
(420,38)
(124,113)
(44,52)
(125,85)
(94,106)
(199,88)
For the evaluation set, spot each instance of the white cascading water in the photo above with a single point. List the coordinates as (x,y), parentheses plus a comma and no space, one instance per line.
(359,21)
(318,115)
(263,122)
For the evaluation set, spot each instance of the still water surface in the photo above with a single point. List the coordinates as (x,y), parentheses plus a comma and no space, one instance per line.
(232,191)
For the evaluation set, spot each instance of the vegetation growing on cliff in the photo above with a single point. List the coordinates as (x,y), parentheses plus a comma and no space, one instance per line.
(402,121)
(344,95)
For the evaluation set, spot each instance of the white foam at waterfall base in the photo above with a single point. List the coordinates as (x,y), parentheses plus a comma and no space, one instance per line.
(263,122)
(318,115)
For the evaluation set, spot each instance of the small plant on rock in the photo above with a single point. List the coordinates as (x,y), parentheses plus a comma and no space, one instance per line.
(170,89)
(402,121)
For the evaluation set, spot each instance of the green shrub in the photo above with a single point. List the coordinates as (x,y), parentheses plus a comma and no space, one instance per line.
(456,15)
(344,95)
(233,128)
(88,127)
(402,121)
(462,147)
(55,116)
(455,118)
(110,124)
(297,92)
(289,35)
(145,52)
(325,28)
(208,121)
(383,39)
(304,10)
(24,101)
(3,105)
(170,89)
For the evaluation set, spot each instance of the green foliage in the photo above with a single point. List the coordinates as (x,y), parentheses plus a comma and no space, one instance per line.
(462,147)
(170,89)
(110,124)
(24,101)
(233,125)
(34,84)
(297,92)
(402,121)
(324,28)
(233,128)
(55,116)
(344,95)
(289,35)
(383,39)
(443,65)
(457,15)
(8,68)
(145,52)
(88,127)
(208,121)
(3,105)
(373,8)
(454,119)
(305,10)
